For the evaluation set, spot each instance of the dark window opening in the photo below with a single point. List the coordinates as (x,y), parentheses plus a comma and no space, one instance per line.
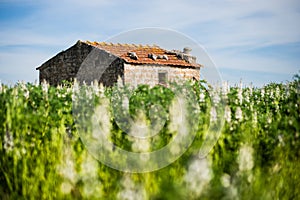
(162,77)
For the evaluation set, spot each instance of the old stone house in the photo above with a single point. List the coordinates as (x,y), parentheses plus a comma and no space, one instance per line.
(109,63)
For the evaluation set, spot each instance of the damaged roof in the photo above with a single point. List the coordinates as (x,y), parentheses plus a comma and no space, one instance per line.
(142,54)
(146,54)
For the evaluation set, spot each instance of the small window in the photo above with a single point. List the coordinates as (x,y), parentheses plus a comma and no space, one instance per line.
(162,77)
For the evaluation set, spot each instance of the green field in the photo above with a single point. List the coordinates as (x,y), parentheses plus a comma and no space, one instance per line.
(256,157)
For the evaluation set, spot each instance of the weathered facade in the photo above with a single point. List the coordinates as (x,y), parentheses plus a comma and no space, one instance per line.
(109,63)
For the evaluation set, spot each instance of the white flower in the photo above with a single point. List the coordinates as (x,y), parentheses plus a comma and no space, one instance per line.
(101,90)
(177,115)
(276,168)
(75,86)
(245,158)
(232,192)
(66,187)
(240,95)
(202,97)
(92,189)
(120,82)
(251,89)
(75,90)
(101,121)
(95,87)
(45,86)
(89,167)
(125,103)
(225,180)
(262,92)
(140,145)
(213,114)
(26,94)
(280,138)
(277,92)
(255,117)
(67,168)
(8,142)
(24,89)
(216,98)
(139,126)
(247,97)
(89,177)
(239,114)
(227,114)
(130,190)
(225,88)
(89,93)
(198,175)
(269,120)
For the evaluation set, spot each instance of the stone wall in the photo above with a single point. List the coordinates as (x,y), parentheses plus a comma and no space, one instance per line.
(65,65)
(101,66)
(148,74)
(83,62)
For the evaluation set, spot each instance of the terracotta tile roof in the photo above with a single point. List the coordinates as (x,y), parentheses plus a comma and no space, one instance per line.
(141,54)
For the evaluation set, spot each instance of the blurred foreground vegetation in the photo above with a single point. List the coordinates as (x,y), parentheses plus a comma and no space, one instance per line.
(256,157)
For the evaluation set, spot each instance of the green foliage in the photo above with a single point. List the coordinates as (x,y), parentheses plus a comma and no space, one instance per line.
(256,156)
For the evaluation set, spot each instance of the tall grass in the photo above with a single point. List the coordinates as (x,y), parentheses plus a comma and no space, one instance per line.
(256,157)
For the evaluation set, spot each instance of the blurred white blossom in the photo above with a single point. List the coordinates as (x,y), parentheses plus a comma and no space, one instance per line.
(140,145)
(245,158)
(125,103)
(8,142)
(239,114)
(178,124)
(177,115)
(225,88)
(251,89)
(67,167)
(92,187)
(89,166)
(202,97)
(277,92)
(24,89)
(269,119)
(262,93)
(225,180)
(281,141)
(198,175)
(89,93)
(66,187)
(216,97)
(45,86)
(232,193)
(213,114)
(101,120)
(131,190)
(240,96)
(227,114)
(254,117)
(95,87)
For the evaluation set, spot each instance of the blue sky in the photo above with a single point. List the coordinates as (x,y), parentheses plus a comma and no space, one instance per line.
(253,40)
